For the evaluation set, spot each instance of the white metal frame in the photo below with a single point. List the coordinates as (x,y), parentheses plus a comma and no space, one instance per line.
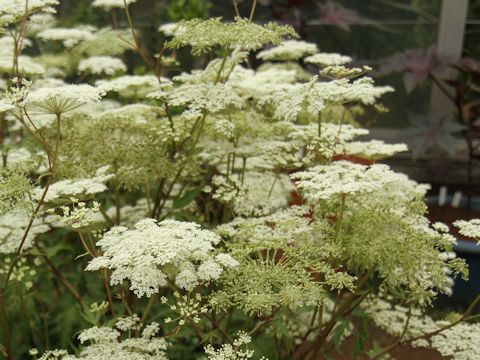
(451,31)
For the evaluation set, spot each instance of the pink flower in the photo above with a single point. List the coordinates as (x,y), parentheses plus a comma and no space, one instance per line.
(333,14)
(417,65)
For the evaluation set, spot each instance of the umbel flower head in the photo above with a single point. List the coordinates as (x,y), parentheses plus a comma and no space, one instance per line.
(110,4)
(453,343)
(82,188)
(204,35)
(129,85)
(12,228)
(470,228)
(101,65)
(314,96)
(5,106)
(101,342)
(328,59)
(12,11)
(288,50)
(61,99)
(68,37)
(373,149)
(151,253)
(343,178)
(234,351)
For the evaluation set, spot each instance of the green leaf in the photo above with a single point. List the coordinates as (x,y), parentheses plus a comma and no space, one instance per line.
(187,198)
(375,351)
(338,332)
(360,339)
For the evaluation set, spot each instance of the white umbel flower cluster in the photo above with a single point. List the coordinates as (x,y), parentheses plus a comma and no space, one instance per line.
(282,227)
(81,189)
(470,228)
(80,215)
(111,4)
(343,178)
(373,149)
(128,323)
(232,351)
(224,128)
(288,50)
(68,37)
(169,29)
(265,193)
(105,343)
(12,230)
(60,99)
(5,106)
(314,96)
(328,59)
(225,189)
(12,11)
(129,85)
(26,65)
(455,343)
(151,253)
(205,97)
(99,65)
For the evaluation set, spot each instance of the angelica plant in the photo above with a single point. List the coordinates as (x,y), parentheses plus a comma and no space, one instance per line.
(224,212)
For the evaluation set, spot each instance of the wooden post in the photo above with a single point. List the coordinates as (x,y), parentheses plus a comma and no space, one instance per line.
(451,31)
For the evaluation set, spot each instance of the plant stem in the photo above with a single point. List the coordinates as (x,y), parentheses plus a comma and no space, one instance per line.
(139,47)
(158,197)
(442,88)
(70,288)
(117,206)
(85,245)
(338,223)
(5,327)
(25,312)
(244,167)
(340,125)
(319,122)
(341,310)
(149,307)
(252,11)
(107,291)
(24,238)
(217,326)
(264,322)
(104,273)
(125,303)
(235,7)
(222,65)
(52,163)
(228,165)
(273,185)
(57,143)
(325,330)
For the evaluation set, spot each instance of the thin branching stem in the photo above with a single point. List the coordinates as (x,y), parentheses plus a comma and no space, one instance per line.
(252,10)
